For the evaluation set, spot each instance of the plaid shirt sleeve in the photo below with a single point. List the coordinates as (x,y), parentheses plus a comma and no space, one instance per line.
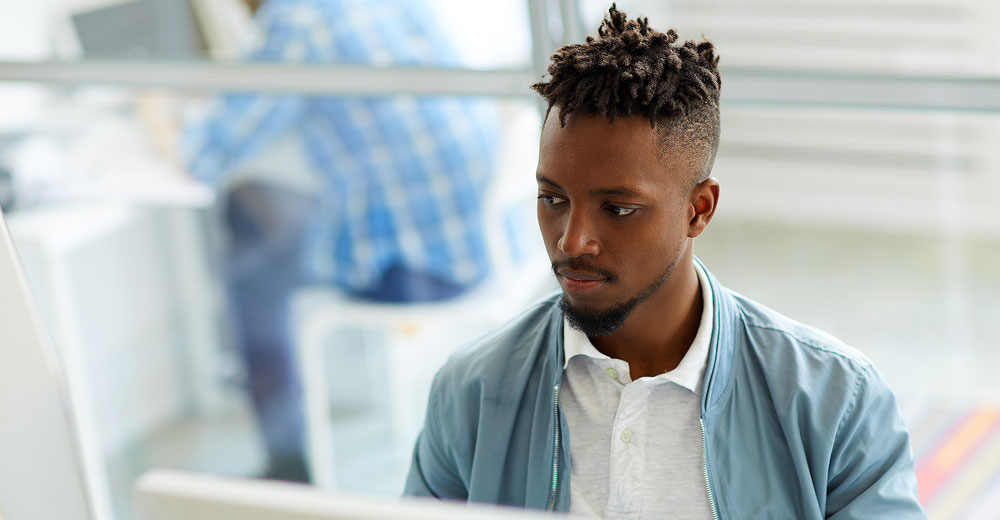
(242,124)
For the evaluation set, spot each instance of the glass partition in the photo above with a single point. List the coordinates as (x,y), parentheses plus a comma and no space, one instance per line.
(133,257)
(887,217)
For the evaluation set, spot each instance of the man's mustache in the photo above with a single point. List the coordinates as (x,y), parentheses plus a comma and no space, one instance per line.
(582,266)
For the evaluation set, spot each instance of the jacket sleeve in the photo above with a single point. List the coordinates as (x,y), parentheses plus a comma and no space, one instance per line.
(872,474)
(433,470)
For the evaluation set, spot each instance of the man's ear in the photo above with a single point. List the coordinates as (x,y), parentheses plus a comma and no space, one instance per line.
(702,201)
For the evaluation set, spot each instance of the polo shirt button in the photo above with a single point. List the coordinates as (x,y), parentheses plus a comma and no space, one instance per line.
(612,373)
(626,436)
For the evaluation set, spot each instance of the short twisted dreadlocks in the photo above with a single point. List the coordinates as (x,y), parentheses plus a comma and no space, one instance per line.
(631,69)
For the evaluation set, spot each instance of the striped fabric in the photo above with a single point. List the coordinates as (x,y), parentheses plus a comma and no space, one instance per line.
(405,178)
(957,453)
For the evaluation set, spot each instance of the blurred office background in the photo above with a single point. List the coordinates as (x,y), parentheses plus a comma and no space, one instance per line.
(860,179)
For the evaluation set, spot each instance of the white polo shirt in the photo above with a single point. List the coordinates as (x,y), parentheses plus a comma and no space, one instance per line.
(636,447)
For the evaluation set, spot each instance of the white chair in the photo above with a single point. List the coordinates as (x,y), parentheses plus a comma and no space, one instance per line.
(416,339)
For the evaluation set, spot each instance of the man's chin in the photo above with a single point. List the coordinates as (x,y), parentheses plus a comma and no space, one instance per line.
(594,321)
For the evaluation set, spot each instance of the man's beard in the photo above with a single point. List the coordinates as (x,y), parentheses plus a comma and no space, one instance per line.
(604,322)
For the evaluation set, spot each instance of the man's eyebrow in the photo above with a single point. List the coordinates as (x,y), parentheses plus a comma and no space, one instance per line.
(616,191)
(626,192)
(543,179)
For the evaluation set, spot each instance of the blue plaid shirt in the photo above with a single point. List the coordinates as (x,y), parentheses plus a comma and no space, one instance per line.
(405,178)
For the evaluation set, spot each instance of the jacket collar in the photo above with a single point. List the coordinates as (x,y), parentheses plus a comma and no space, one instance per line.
(722,347)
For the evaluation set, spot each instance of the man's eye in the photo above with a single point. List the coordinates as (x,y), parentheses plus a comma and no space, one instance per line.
(551,200)
(620,211)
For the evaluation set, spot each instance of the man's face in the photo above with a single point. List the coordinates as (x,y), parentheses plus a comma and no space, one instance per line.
(613,213)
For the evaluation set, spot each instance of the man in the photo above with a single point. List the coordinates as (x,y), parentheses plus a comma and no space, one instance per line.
(393,213)
(647,389)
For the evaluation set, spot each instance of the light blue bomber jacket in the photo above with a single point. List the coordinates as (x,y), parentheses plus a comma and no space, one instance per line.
(796,424)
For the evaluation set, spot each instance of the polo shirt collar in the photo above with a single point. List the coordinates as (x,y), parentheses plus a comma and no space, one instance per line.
(690,372)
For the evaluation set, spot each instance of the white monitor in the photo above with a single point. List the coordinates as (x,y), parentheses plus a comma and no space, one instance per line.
(169,495)
(40,464)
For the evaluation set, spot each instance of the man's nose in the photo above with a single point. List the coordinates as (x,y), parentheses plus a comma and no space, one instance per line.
(579,236)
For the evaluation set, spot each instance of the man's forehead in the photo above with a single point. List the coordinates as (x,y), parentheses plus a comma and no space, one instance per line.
(597,139)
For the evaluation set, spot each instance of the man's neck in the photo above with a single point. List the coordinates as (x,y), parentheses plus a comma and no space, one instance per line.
(658,333)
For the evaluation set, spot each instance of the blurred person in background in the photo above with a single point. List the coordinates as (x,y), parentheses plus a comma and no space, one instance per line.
(393,208)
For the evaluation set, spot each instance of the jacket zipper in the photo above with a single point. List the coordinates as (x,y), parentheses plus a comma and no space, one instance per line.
(555,453)
(704,459)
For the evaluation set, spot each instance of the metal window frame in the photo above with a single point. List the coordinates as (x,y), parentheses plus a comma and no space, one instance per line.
(743,86)
(274,78)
